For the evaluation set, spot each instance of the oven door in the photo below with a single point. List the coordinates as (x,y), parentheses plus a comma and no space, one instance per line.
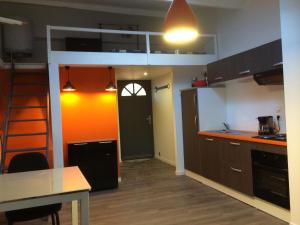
(271,184)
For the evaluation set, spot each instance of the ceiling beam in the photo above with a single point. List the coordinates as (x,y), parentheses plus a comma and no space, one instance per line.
(92,7)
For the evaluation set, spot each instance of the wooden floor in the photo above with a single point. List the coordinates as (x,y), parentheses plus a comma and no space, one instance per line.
(151,194)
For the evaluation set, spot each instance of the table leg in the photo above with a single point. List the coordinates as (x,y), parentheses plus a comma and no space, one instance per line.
(84,209)
(75,212)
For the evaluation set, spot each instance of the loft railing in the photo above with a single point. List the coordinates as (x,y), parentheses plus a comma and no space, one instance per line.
(146,37)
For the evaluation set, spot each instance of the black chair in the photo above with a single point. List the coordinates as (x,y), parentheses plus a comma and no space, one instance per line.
(30,162)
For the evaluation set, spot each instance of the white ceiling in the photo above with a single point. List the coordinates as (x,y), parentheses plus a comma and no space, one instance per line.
(156,8)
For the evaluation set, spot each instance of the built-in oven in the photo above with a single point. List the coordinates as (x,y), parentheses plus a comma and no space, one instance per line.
(270,177)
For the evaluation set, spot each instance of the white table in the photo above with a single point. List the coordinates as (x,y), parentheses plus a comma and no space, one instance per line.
(44,187)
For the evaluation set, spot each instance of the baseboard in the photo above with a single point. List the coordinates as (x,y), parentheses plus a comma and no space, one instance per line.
(179,173)
(262,205)
(170,162)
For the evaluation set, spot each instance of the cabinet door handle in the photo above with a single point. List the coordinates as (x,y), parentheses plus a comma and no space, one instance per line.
(278,178)
(235,143)
(105,142)
(236,170)
(80,144)
(107,154)
(195,100)
(219,78)
(278,64)
(196,120)
(209,139)
(244,72)
(277,193)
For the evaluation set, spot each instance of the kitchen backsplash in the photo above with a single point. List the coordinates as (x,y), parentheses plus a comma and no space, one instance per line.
(246,101)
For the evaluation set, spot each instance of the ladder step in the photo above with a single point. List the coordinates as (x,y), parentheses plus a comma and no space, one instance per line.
(29,95)
(27,134)
(26,120)
(30,84)
(26,150)
(28,107)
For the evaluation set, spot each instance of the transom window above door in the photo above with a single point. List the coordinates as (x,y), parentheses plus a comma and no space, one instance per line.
(133,89)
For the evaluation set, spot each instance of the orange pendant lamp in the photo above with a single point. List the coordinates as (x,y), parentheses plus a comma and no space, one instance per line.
(181,25)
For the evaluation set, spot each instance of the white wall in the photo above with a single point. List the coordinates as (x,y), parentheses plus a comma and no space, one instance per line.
(182,78)
(163,120)
(290,23)
(246,100)
(254,25)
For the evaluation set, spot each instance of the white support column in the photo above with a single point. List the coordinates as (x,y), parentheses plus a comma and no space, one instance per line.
(290,32)
(56,115)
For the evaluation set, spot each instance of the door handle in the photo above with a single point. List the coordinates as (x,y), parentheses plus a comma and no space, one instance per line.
(219,78)
(236,170)
(209,139)
(149,119)
(196,122)
(80,144)
(278,64)
(105,142)
(244,72)
(235,143)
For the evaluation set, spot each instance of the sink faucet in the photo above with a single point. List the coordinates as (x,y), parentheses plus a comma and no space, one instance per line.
(226,126)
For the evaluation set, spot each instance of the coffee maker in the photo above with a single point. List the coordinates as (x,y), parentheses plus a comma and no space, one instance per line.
(266,125)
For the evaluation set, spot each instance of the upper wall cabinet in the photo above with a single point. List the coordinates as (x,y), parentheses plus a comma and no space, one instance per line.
(219,71)
(263,58)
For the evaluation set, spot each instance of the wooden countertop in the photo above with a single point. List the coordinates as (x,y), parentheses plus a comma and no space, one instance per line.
(242,136)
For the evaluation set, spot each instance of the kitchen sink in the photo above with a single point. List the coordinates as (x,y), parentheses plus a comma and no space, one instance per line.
(228,132)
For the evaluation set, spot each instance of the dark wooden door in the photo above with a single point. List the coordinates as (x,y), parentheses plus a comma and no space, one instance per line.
(135,119)
(236,171)
(210,148)
(190,129)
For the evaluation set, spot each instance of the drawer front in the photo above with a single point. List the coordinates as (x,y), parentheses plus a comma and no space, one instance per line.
(236,166)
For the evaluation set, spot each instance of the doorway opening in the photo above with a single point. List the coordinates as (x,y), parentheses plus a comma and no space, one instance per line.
(146,128)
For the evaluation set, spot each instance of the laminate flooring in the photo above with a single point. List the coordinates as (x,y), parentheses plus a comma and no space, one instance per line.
(151,194)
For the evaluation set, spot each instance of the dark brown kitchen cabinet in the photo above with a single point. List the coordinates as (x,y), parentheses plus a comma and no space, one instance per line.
(242,64)
(219,71)
(210,154)
(190,129)
(268,57)
(257,60)
(236,170)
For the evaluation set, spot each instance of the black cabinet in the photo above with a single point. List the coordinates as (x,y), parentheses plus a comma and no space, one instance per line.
(97,161)
(190,129)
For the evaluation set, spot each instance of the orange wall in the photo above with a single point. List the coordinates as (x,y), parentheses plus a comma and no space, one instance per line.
(90,113)
(24,127)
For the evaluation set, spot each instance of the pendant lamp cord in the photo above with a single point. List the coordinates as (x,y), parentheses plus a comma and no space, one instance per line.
(68,69)
(110,77)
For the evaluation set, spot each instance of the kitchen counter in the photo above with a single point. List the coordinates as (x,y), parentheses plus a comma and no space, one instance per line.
(242,136)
